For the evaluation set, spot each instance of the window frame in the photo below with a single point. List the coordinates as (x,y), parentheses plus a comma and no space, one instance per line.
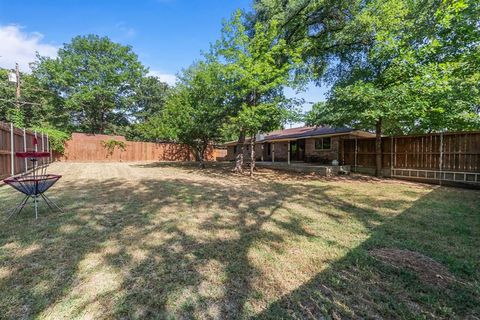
(322,148)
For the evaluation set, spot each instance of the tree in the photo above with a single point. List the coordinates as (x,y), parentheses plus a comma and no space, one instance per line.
(395,66)
(148,102)
(195,110)
(8,109)
(37,105)
(97,79)
(258,64)
(150,98)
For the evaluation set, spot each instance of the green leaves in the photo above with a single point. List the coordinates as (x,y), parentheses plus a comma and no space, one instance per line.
(56,137)
(111,144)
(97,78)
(257,64)
(411,64)
(195,110)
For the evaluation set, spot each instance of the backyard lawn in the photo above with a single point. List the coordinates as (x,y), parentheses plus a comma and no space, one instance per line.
(172,241)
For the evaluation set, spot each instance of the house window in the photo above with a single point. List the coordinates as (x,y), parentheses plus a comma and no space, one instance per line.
(323,143)
(269,150)
(234,149)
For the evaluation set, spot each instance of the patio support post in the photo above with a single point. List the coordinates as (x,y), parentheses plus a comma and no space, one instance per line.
(25,148)
(356,152)
(273,152)
(261,157)
(12,150)
(36,146)
(288,152)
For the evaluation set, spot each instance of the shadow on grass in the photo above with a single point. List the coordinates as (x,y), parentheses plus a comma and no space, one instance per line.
(179,247)
(361,286)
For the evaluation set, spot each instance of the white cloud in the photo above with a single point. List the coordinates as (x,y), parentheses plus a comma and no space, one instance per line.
(165,77)
(126,31)
(19,46)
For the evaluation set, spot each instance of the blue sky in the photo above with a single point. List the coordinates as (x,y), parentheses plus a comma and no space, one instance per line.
(167,35)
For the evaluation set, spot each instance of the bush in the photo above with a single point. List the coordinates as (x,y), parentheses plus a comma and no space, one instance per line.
(56,137)
(111,144)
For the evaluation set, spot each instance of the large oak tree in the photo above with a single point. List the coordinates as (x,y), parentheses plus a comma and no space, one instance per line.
(394,65)
(96,78)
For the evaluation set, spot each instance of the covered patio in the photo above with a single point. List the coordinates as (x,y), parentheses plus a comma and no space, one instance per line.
(305,148)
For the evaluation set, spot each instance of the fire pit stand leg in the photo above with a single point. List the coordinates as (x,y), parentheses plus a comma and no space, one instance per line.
(46,201)
(50,203)
(19,207)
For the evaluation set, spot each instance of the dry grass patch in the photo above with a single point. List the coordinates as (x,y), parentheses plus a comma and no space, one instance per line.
(428,270)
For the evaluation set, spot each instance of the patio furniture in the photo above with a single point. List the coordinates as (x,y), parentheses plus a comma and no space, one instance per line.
(34,184)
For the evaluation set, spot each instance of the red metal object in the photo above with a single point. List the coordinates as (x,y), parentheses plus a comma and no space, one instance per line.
(32,154)
(33,185)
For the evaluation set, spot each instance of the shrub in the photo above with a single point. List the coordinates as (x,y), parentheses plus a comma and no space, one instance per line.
(111,144)
(56,138)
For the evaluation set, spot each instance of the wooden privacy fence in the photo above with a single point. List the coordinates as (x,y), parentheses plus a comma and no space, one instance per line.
(90,148)
(437,156)
(18,140)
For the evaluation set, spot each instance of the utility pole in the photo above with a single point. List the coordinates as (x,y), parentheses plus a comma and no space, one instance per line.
(17,94)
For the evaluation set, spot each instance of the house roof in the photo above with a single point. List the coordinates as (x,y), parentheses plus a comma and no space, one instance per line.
(306,132)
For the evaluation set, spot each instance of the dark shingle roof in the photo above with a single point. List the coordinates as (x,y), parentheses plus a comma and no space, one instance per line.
(304,132)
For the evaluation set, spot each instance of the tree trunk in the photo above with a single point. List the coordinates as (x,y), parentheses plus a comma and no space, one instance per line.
(200,155)
(102,122)
(252,155)
(239,157)
(201,159)
(378,148)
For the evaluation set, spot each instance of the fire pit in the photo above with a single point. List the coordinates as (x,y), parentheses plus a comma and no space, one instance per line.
(33,185)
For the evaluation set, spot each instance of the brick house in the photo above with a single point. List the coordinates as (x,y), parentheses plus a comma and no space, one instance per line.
(304,144)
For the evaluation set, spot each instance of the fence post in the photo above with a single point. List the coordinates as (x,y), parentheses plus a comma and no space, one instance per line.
(43,148)
(391,156)
(440,161)
(12,150)
(48,150)
(25,148)
(395,153)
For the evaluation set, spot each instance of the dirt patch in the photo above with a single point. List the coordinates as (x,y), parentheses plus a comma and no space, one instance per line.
(428,270)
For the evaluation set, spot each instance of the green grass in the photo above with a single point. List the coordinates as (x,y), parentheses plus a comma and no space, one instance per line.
(170,241)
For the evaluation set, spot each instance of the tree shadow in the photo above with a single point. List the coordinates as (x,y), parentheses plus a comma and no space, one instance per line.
(180,247)
(361,286)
